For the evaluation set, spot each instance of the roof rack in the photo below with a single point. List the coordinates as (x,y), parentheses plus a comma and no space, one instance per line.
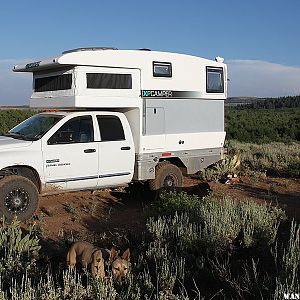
(89,49)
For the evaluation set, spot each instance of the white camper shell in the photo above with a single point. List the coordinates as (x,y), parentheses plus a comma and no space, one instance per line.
(169,106)
(174,102)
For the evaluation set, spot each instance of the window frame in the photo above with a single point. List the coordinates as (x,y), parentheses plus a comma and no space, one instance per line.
(162,64)
(68,80)
(219,70)
(76,142)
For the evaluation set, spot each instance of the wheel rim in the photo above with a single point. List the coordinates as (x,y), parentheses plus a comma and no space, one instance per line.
(17,200)
(169,181)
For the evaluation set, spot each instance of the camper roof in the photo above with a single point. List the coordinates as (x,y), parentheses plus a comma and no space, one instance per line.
(107,57)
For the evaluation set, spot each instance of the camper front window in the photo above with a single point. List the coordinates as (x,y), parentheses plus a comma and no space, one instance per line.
(53,83)
(214,80)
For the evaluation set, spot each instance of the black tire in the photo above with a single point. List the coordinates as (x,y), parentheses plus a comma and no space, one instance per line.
(18,197)
(167,176)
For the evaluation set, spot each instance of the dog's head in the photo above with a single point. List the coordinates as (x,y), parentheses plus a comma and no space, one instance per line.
(119,264)
(97,265)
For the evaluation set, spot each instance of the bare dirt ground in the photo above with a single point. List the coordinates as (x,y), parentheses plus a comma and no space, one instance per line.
(115,214)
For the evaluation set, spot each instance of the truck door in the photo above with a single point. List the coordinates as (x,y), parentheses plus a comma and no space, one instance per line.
(71,155)
(116,151)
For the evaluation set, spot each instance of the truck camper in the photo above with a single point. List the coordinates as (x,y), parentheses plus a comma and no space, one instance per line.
(109,117)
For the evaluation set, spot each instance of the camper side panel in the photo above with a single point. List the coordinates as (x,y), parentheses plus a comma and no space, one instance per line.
(185,124)
(166,116)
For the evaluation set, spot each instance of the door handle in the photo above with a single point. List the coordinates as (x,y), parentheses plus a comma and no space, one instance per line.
(125,148)
(89,150)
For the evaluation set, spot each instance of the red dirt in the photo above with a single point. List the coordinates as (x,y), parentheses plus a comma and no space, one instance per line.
(113,214)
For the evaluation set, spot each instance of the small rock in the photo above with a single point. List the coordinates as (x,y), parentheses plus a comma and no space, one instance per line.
(47,211)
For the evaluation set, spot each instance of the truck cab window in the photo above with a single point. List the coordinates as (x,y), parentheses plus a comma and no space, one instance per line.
(35,127)
(76,130)
(111,128)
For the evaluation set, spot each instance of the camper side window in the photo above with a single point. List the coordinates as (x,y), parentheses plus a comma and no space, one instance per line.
(214,80)
(111,128)
(108,81)
(162,69)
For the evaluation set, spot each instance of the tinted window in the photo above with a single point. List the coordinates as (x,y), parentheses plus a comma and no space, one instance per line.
(53,83)
(162,69)
(108,81)
(214,80)
(76,130)
(111,128)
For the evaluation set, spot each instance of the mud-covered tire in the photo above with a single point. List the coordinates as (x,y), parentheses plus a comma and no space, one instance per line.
(18,197)
(167,176)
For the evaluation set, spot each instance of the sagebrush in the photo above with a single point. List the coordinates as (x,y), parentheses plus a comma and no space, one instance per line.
(193,248)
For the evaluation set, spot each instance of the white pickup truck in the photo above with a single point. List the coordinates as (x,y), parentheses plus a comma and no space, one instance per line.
(110,117)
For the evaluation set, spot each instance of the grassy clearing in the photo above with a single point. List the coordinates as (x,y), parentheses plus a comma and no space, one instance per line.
(276,159)
(192,248)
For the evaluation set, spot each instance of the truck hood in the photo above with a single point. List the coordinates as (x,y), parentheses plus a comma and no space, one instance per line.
(10,143)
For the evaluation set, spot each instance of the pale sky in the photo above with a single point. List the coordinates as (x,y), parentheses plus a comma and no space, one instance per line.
(259,39)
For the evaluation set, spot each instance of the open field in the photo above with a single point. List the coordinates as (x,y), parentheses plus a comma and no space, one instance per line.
(239,240)
(229,261)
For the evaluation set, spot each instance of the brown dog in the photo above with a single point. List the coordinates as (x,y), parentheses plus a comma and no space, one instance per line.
(119,264)
(89,256)
(94,258)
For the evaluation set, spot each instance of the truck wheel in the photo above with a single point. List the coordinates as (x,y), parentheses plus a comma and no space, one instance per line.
(18,197)
(166,176)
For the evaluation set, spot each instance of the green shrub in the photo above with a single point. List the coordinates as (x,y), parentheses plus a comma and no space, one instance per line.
(210,233)
(227,166)
(10,118)
(215,224)
(287,259)
(19,250)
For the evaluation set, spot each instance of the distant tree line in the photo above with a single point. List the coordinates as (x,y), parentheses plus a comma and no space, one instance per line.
(273,103)
(263,121)
(10,118)
(263,125)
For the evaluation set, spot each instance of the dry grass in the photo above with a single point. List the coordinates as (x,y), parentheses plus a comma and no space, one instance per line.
(277,159)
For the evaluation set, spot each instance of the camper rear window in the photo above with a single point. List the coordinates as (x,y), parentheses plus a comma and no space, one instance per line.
(214,80)
(108,81)
(162,69)
(53,83)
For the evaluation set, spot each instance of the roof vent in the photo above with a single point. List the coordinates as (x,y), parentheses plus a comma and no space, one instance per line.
(219,59)
(89,49)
